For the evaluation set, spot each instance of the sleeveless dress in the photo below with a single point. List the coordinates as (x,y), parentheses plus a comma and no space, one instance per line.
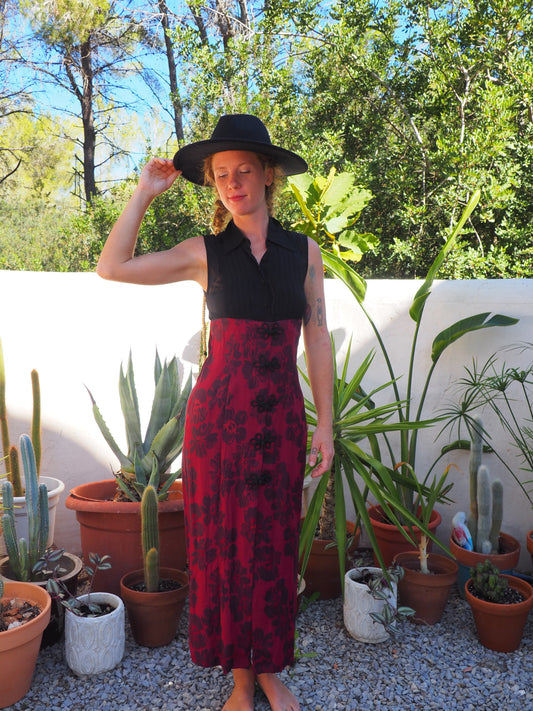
(244,456)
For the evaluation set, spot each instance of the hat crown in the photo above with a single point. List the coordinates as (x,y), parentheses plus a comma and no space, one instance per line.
(241,127)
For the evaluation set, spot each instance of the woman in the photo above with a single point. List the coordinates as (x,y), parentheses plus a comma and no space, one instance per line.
(245,438)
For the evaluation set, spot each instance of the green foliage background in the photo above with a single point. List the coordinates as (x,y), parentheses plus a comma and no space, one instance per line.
(421,102)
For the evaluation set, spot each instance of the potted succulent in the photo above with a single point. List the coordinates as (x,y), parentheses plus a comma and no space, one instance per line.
(11,459)
(336,253)
(500,605)
(24,615)
(26,559)
(370,607)
(480,537)
(108,511)
(154,596)
(428,577)
(94,622)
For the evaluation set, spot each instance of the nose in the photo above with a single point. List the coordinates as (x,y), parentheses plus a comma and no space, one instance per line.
(234,180)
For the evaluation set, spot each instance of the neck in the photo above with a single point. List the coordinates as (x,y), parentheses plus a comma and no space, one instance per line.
(254,227)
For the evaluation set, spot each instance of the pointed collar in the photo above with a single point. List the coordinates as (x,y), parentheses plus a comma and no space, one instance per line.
(233,237)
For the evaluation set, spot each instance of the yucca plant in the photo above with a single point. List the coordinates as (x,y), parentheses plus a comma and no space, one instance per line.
(149,457)
(358,425)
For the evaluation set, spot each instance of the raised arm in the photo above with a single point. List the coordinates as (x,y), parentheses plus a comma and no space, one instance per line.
(319,357)
(118,262)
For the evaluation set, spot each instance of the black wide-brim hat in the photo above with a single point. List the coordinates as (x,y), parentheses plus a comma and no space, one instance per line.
(235,132)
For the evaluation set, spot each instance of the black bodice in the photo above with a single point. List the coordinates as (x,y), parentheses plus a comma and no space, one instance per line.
(240,287)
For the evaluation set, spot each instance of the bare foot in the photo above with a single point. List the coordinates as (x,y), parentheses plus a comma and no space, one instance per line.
(242,696)
(279,696)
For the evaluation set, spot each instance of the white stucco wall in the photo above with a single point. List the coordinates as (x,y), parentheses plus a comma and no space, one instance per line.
(76,329)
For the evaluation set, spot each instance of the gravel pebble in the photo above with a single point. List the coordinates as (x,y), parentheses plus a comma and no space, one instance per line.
(442,667)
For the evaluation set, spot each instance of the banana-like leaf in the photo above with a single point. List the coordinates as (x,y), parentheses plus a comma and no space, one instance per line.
(467,325)
(417,307)
(334,265)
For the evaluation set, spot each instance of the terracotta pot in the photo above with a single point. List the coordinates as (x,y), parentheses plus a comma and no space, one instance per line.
(55,488)
(19,647)
(322,574)
(500,627)
(390,540)
(359,603)
(72,565)
(114,528)
(95,644)
(529,543)
(427,595)
(154,617)
(504,561)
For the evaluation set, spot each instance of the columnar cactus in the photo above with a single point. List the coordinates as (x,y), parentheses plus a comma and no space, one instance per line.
(486,500)
(150,539)
(10,452)
(24,554)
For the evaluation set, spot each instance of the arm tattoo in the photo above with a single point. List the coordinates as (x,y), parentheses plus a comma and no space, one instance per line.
(319,312)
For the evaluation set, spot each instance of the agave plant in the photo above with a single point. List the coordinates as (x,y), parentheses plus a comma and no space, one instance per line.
(149,458)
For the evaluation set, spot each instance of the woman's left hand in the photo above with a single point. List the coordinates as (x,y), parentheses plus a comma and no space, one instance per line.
(321,442)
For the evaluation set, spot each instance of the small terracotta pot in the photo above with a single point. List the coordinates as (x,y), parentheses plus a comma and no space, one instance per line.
(529,543)
(113,528)
(390,540)
(426,594)
(500,627)
(322,574)
(504,561)
(154,617)
(19,647)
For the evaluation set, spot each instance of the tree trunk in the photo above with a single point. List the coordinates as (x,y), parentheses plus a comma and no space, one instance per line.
(87,115)
(174,93)
(326,524)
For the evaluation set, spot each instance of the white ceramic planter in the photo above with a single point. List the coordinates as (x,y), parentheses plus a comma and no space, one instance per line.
(95,644)
(55,488)
(359,603)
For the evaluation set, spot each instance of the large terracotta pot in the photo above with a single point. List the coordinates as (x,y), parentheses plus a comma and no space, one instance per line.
(72,566)
(322,574)
(95,644)
(114,528)
(500,627)
(154,616)
(390,540)
(19,647)
(505,561)
(55,488)
(427,595)
(359,603)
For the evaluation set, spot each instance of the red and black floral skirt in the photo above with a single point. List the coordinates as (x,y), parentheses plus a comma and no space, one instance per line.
(243,466)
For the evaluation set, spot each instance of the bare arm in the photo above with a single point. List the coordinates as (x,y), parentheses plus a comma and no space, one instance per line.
(117,262)
(319,362)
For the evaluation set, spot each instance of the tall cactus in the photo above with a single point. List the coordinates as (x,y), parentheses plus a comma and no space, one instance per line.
(150,539)
(486,500)
(10,452)
(24,554)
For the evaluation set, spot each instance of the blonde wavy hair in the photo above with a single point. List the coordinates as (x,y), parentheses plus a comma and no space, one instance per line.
(221,216)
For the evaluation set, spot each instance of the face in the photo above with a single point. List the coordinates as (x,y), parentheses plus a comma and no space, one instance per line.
(240,180)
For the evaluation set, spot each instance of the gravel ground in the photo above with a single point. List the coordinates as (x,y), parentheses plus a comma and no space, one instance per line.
(424,668)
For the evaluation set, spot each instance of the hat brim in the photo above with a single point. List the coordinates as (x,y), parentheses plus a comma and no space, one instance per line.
(190,159)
